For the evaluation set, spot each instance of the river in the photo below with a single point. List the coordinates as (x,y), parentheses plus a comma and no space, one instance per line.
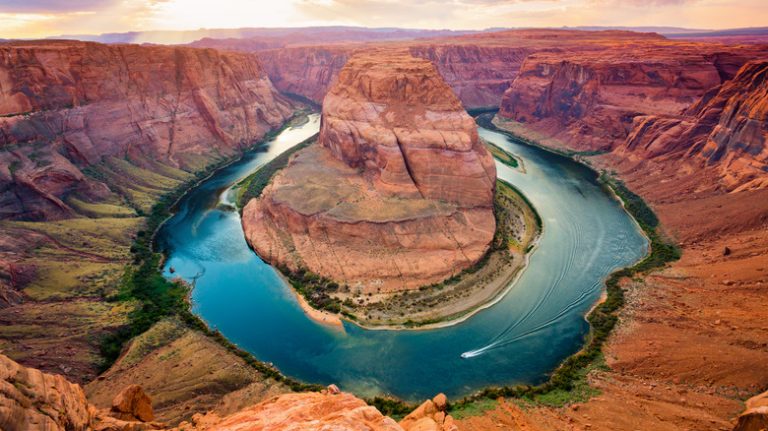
(521,339)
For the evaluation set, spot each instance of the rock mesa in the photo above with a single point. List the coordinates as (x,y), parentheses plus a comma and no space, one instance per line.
(396,194)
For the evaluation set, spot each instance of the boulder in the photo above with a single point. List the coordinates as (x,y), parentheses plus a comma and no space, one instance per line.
(133,404)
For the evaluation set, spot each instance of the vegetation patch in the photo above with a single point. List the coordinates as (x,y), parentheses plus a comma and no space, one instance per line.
(501,154)
(392,407)
(252,186)
(477,408)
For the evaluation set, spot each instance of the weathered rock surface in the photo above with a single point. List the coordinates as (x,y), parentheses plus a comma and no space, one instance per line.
(300,412)
(430,416)
(133,404)
(34,401)
(755,417)
(727,129)
(185,372)
(31,400)
(587,100)
(66,106)
(398,192)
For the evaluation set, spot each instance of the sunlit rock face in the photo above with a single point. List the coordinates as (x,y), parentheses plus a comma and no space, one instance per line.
(396,194)
(66,105)
(587,100)
(726,130)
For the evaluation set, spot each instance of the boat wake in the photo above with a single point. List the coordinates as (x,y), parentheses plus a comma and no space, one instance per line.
(527,325)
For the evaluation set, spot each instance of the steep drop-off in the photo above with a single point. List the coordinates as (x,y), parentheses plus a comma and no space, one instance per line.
(91,136)
(727,129)
(67,106)
(398,192)
(587,100)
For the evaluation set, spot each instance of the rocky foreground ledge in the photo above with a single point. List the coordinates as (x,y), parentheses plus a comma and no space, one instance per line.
(31,400)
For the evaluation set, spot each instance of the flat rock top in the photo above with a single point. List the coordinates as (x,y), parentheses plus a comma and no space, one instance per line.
(395,78)
(315,182)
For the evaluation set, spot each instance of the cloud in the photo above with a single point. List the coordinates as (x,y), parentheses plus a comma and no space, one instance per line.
(644,3)
(39,18)
(53,6)
(403,13)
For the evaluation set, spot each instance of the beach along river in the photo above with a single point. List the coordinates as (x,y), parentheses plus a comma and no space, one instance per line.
(520,339)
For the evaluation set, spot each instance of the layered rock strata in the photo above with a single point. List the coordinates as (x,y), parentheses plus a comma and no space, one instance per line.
(588,100)
(66,106)
(478,67)
(396,194)
(727,130)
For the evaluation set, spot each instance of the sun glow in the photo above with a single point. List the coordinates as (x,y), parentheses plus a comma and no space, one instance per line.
(44,18)
(192,14)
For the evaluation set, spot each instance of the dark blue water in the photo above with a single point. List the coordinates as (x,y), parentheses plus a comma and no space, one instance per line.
(519,340)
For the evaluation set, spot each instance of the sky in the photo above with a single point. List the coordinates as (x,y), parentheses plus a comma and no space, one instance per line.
(42,18)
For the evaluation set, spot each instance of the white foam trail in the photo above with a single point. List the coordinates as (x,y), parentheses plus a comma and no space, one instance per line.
(472,353)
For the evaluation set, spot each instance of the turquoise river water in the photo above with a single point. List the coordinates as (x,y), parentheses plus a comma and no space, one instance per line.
(520,339)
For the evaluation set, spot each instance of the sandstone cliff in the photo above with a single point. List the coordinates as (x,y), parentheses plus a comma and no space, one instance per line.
(479,67)
(727,129)
(398,192)
(305,71)
(478,74)
(31,400)
(587,100)
(66,106)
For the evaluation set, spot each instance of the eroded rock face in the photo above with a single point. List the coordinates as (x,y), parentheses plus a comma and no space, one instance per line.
(33,400)
(399,122)
(588,100)
(306,71)
(300,412)
(430,416)
(67,105)
(727,129)
(133,404)
(755,417)
(398,192)
(478,74)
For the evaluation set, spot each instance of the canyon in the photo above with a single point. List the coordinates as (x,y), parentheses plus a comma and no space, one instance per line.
(92,137)
(67,106)
(593,97)
(94,134)
(478,67)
